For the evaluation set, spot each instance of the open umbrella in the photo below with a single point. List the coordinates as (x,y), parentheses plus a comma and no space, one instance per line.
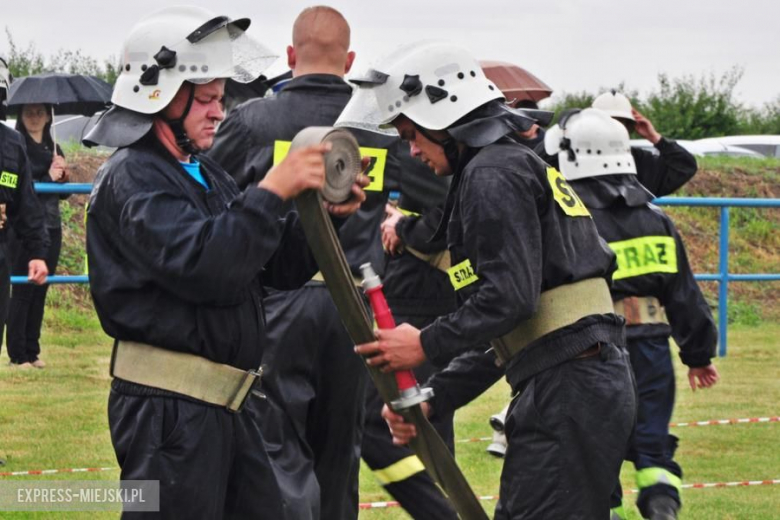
(66,93)
(515,82)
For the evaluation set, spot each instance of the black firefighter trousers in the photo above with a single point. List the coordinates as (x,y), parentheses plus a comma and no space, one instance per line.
(313,372)
(567,433)
(212,464)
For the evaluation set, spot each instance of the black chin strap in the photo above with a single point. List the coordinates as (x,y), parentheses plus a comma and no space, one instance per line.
(177,126)
(449,145)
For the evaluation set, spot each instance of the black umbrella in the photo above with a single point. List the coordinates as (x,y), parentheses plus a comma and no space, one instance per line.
(67,93)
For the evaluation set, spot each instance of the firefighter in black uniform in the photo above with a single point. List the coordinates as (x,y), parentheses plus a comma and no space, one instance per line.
(177,256)
(662,173)
(19,208)
(653,288)
(312,367)
(418,291)
(530,272)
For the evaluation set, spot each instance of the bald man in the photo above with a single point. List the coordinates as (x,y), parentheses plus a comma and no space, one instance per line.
(311,367)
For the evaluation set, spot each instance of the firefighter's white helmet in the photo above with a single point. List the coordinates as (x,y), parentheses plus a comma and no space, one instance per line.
(615,104)
(5,75)
(589,143)
(433,83)
(184,43)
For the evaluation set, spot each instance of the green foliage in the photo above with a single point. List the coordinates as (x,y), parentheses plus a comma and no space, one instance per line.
(686,108)
(762,121)
(690,108)
(743,313)
(26,61)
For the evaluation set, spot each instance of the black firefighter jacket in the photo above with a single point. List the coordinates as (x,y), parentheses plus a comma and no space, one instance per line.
(19,207)
(515,230)
(179,267)
(254,131)
(651,262)
(414,287)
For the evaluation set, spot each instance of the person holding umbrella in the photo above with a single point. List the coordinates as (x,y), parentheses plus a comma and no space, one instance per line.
(25,315)
(18,207)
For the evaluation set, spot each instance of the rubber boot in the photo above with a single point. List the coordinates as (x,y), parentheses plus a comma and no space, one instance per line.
(662,507)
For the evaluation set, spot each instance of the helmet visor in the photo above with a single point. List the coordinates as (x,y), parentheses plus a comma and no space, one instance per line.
(364,112)
(232,54)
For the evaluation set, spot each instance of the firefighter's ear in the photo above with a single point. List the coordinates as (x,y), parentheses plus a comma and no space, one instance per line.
(291,57)
(350,60)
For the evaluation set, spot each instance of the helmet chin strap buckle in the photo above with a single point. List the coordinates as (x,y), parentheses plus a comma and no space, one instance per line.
(177,125)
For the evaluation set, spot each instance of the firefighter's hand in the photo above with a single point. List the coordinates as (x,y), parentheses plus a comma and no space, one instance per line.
(645,128)
(706,376)
(390,239)
(301,170)
(37,271)
(402,431)
(395,349)
(352,204)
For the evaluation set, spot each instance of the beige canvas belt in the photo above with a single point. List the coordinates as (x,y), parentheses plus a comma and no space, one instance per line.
(318,277)
(441,260)
(641,310)
(182,373)
(558,308)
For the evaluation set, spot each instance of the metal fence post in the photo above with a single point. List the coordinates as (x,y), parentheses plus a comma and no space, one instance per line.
(723,285)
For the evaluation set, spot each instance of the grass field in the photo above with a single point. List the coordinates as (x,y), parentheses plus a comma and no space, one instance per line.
(56,418)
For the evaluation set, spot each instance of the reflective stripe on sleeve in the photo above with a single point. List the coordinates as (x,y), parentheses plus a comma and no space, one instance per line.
(649,477)
(401,470)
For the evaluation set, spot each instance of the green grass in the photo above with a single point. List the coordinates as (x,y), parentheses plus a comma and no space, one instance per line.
(56,418)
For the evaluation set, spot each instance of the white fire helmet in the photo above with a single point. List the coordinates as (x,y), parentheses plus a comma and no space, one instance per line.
(184,43)
(433,83)
(589,143)
(615,105)
(5,75)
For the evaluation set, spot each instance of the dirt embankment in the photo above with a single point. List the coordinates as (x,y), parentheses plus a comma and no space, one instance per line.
(754,238)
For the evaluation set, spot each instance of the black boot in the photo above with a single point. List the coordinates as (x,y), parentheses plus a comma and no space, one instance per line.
(662,507)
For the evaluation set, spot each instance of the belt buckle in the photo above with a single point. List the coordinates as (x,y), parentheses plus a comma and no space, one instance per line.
(255,375)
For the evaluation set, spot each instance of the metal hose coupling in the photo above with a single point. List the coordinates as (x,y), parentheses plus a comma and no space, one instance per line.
(342,162)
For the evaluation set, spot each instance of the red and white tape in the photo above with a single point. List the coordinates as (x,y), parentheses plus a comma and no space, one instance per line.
(727,421)
(52,471)
(748,420)
(741,483)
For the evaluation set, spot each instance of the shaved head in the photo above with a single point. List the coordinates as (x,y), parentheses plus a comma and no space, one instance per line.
(320,42)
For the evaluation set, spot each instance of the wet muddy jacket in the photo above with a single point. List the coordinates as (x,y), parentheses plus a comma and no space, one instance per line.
(515,230)
(413,286)
(19,207)
(246,141)
(179,267)
(651,262)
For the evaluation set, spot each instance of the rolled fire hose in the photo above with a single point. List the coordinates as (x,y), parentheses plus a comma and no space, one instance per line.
(342,163)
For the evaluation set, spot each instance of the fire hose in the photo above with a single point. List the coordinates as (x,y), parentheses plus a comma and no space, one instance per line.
(342,164)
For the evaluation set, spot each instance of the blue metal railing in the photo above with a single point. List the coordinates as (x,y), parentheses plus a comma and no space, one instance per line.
(723,277)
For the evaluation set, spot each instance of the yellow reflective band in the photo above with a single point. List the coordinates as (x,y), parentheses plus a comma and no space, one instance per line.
(618,512)
(565,196)
(462,275)
(644,255)
(9,180)
(407,212)
(648,477)
(401,470)
(375,170)
(376,167)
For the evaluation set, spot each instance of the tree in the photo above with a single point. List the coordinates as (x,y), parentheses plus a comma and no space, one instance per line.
(28,61)
(686,108)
